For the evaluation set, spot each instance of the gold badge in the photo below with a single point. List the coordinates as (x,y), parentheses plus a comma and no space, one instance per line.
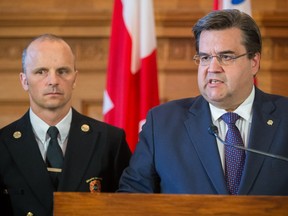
(17,134)
(85,128)
(94,184)
(270,122)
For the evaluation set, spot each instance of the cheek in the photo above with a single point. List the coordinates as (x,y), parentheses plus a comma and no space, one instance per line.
(200,80)
(68,86)
(201,76)
(35,87)
(239,80)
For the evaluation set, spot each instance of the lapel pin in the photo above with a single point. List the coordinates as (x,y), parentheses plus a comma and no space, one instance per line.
(17,134)
(85,128)
(270,122)
(94,184)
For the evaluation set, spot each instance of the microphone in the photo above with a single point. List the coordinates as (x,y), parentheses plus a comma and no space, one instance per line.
(213,130)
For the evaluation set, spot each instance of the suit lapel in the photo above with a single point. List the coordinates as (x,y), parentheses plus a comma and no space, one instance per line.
(26,154)
(205,144)
(80,148)
(263,128)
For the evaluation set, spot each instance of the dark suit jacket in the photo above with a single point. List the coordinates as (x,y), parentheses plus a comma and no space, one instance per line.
(176,154)
(100,152)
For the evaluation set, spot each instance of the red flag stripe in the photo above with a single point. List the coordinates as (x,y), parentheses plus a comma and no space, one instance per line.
(132,85)
(216,5)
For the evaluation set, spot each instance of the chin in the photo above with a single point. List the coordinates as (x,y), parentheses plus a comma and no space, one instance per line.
(212,97)
(54,106)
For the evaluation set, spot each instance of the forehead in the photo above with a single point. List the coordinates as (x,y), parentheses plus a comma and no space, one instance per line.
(221,40)
(47,50)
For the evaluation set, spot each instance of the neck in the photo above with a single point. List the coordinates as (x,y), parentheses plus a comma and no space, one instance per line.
(51,117)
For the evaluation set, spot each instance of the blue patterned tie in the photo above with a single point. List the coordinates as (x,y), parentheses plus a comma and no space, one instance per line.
(234,158)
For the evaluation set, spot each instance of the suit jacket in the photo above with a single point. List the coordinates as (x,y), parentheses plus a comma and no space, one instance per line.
(96,150)
(176,154)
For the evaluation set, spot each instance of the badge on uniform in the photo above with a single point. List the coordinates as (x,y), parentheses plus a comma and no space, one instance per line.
(94,184)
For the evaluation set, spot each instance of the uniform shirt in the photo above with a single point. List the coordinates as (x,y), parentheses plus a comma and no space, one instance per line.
(243,123)
(40,131)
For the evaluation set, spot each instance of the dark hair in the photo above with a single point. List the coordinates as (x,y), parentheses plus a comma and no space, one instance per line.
(50,37)
(231,18)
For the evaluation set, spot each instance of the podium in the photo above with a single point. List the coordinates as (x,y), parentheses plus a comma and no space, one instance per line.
(110,204)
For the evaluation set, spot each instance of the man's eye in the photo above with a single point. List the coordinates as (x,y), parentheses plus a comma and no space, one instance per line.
(41,71)
(204,58)
(63,71)
(226,57)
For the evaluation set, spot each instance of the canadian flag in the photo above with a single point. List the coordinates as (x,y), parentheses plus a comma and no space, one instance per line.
(132,84)
(242,5)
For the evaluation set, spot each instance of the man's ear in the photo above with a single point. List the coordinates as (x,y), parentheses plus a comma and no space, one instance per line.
(256,63)
(24,81)
(74,83)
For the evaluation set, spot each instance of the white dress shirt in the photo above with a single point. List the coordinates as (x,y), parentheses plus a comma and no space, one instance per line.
(40,131)
(243,124)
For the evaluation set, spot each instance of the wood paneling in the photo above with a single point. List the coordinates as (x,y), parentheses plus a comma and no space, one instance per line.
(12,109)
(86,26)
(133,204)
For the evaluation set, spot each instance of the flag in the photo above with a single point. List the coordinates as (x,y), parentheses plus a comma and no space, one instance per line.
(132,83)
(242,5)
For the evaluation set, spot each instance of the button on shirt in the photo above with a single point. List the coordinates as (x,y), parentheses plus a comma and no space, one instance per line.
(40,131)
(243,124)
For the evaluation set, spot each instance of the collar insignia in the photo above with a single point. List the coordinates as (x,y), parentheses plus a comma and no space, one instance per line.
(17,134)
(270,122)
(85,128)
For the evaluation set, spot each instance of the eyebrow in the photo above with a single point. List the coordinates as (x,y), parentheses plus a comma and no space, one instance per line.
(39,68)
(219,53)
(65,68)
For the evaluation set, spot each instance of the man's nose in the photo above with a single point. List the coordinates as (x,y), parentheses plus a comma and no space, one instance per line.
(52,77)
(214,64)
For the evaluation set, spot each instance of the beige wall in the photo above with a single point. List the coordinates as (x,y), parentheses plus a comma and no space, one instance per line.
(86,25)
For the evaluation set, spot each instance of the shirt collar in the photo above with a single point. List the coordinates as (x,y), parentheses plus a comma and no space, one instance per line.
(64,125)
(244,110)
(40,127)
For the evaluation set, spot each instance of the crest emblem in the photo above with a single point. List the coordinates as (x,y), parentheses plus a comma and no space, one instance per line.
(94,184)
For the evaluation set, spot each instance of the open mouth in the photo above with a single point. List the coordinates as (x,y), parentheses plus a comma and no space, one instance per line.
(214,81)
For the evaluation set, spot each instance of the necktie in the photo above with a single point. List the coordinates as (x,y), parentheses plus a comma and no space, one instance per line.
(54,157)
(234,158)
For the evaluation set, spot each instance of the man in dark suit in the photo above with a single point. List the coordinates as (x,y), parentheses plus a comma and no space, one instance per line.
(92,154)
(176,153)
